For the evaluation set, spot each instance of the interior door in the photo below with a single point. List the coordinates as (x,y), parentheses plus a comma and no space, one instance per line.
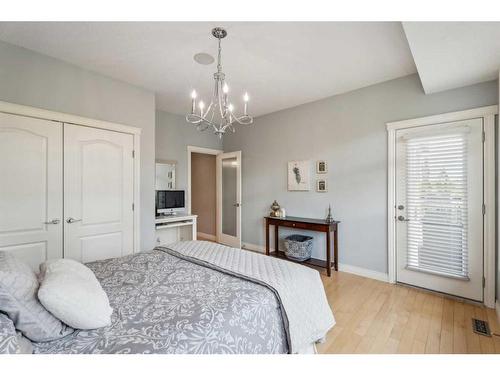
(439,212)
(229,199)
(98,193)
(31,188)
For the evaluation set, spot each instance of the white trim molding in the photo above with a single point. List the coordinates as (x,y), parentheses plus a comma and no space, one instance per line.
(489,194)
(364,272)
(17,109)
(65,118)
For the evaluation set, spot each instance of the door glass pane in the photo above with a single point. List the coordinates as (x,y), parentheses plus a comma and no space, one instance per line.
(437,204)
(229,197)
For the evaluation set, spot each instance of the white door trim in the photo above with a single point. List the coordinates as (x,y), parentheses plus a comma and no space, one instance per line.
(22,110)
(198,150)
(489,227)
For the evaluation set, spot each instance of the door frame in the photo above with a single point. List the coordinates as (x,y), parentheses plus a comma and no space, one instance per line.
(65,118)
(488,114)
(197,150)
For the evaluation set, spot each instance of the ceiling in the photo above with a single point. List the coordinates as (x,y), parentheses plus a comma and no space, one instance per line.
(281,65)
(454,54)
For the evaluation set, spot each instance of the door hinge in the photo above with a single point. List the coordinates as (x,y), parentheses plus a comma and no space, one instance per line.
(133,153)
(484,137)
(133,207)
(484,209)
(484,281)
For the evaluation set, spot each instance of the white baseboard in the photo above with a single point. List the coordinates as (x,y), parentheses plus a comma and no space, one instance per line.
(380,276)
(254,247)
(342,267)
(206,236)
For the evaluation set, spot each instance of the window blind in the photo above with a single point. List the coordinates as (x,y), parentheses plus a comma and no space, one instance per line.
(436,203)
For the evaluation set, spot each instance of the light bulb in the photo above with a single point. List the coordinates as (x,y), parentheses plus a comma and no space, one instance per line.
(202,105)
(245,97)
(225,89)
(230,107)
(193,94)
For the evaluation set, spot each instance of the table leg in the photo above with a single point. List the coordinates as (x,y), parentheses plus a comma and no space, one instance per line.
(267,238)
(328,254)
(276,239)
(335,250)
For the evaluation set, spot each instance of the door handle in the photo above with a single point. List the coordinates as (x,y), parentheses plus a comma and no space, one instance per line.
(402,218)
(53,221)
(71,220)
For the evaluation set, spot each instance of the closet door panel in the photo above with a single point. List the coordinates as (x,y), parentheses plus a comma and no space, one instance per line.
(31,194)
(98,183)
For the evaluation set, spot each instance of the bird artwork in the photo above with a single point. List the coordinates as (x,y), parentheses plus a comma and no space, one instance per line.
(296,171)
(298,175)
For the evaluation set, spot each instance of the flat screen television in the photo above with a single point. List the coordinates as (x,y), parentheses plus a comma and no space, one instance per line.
(169,201)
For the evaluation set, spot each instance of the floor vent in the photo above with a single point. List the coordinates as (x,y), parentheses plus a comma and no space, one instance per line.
(481,327)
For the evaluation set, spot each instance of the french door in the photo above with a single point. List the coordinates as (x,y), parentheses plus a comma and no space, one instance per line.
(439,207)
(229,199)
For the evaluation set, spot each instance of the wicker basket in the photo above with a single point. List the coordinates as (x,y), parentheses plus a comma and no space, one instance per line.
(298,247)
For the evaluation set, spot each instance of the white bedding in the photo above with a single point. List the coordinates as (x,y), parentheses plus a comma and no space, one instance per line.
(307,314)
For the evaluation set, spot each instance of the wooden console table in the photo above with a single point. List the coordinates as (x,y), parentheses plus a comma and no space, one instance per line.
(316,225)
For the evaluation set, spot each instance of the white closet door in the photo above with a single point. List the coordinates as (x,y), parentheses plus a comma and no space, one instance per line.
(31,188)
(98,193)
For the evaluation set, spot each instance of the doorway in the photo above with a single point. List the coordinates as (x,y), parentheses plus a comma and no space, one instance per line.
(203,194)
(215,176)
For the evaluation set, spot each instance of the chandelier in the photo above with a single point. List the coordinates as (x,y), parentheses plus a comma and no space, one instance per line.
(219,115)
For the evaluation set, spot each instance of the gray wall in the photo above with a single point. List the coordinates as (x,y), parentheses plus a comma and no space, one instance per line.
(33,79)
(173,135)
(349,132)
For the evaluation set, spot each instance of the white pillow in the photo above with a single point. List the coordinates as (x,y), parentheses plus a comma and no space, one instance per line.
(71,292)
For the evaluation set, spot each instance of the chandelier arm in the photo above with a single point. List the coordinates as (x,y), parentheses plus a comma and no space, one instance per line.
(210,105)
(238,120)
(190,118)
(221,102)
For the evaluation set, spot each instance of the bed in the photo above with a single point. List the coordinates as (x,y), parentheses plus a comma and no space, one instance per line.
(202,298)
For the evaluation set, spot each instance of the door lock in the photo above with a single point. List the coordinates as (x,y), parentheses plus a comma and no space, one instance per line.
(402,218)
(401,207)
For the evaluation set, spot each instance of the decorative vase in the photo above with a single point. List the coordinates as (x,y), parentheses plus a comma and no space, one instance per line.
(275,209)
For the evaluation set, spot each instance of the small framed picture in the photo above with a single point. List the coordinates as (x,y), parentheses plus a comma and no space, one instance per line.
(321,167)
(321,186)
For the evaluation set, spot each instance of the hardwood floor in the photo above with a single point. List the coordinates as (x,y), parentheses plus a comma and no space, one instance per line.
(377,317)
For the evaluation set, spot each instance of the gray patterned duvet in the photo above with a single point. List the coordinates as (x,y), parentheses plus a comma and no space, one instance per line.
(163,304)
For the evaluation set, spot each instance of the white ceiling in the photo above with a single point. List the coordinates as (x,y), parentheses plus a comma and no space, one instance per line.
(454,54)
(281,65)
